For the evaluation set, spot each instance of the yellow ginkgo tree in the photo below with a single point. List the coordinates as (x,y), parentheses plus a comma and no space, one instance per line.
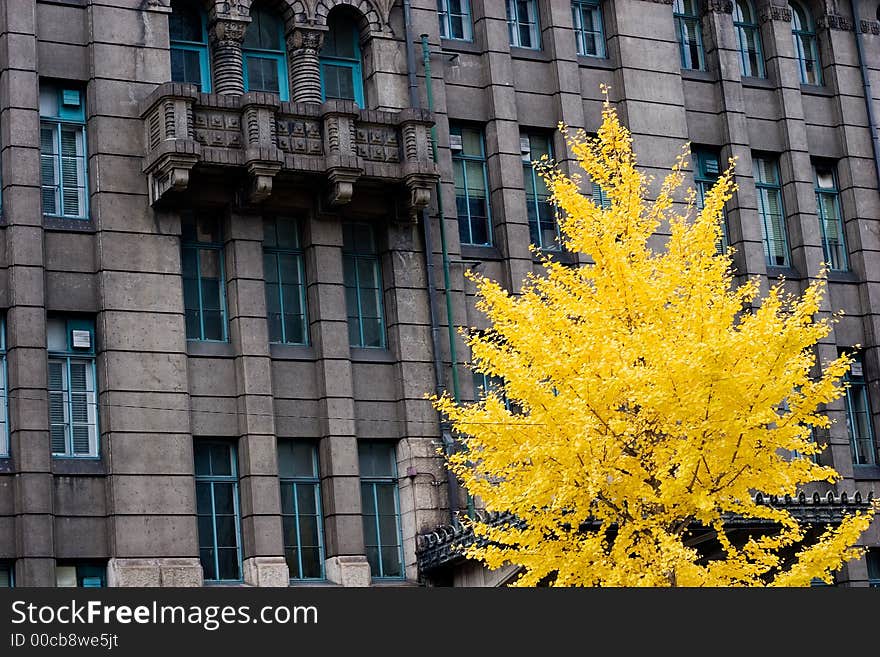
(652,399)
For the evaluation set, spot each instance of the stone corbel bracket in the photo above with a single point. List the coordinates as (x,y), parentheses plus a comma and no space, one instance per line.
(343,165)
(419,170)
(262,158)
(172,151)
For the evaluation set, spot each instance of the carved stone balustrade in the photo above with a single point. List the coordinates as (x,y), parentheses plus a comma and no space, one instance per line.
(256,132)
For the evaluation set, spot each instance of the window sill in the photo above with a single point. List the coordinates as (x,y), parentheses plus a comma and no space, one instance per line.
(280,351)
(866,472)
(369,355)
(697,75)
(64,465)
(534,54)
(201,348)
(816,90)
(51,222)
(560,256)
(312,583)
(790,273)
(392,582)
(460,45)
(480,252)
(587,61)
(758,83)
(843,277)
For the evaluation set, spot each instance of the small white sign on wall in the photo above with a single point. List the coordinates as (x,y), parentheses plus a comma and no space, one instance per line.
(81,339)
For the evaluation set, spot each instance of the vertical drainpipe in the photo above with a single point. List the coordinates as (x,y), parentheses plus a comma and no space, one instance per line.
(440,386)
(866,85)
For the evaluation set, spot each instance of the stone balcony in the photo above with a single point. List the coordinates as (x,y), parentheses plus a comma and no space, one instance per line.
(335,141)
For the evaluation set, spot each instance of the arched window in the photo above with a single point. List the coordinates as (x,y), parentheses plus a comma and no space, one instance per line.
(689,32)
(263,57)
(341,74)
(751,58)
(806,45)
(188,32)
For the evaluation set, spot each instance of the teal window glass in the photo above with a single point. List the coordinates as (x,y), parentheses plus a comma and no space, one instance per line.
(485,384)
(63,170)
(341,72)
(188,33)
(689,32)
(600,197)
(363,286)
(806,44)
(872,560)
(4,394)
(73,401)
(381,509)
(7,579)
(263,56)
(81,575)
(284,272)
(751,56)
(217,508)
(589,31)
(523,24)
(471,184)
(455,19)
(858,414)
(707,169)
(830,219)
(204,286)
(769,193)
(543,225)
(301,508)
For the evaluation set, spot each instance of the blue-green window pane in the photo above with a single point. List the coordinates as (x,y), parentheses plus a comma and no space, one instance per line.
(218,519)
(187,27)
(185,22)
(522,24)
(588,27)
(745,23)
(341,70)
(707,169)
(830,219)
(263,54)
(301,509)
(471,185)
(73,408)
(186,66)
(363,287)
(264,31)
(63,169)
(455,19)
(263,75)
(380,508)
(204,288)
(689,32)
(858,413)
(806,44)
(5,576)
(283,269)
(543,225)
(83,575)
(771,212)
(872,559)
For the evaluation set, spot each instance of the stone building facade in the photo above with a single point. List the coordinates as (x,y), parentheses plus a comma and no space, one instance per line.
(219,323)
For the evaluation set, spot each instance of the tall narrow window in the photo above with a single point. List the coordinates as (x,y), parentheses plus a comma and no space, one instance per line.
(263,55)
(204,287)
(285,282)
(455,19)
(219,518)
(341,74)
(600,197)
(769,192)
(82,574)
(63,152)
(523,25)
(381,509)
(4,397)
(707,168)
(689,32)
(73,404)
(858,414)
(872,559)
(188,32)
(806,44)
(830,220)
(301,508)
(471,185)
(363,286)
(588,27)
(543,227)
(745,22)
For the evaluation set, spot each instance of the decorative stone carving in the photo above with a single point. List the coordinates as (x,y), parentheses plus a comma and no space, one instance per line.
(300,136)
(835,22)
(262,158)
(304,47)
(774,13)
(869,27)
(343,163)
(719,6)
(226,38)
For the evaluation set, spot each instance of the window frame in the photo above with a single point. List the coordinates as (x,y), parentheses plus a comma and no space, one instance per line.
(276,253)
(355,257)
(75,119)
(766,188)
(534,199)
(461,160)
(199,47)
(313,481)
(198,247)
(515,24)
(859,384)
(833,193)
(444,16)
(742,26)
(236,502)
(374,481)
(704,180)
(66,357)
(356,64)
(873,582)
(279,57)
(682,19)
(578,9)
(84,570)
(801,33)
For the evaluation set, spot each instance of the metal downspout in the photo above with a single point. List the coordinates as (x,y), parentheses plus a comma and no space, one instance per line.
(866,85)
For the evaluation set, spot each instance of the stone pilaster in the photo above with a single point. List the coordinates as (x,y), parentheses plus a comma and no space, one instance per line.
(226,35)
(303,48)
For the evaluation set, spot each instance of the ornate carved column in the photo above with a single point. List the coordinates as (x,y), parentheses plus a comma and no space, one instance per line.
(304,47)
(226,35)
